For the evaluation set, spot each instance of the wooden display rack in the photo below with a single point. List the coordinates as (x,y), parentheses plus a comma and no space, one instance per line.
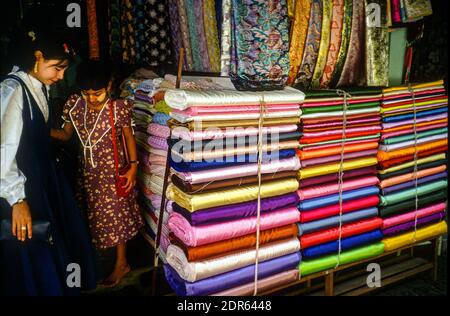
(350,279)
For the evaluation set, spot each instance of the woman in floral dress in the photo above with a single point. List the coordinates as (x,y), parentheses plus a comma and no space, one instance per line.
(113,220)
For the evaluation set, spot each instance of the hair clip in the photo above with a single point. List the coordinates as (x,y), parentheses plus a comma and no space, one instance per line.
(32,35)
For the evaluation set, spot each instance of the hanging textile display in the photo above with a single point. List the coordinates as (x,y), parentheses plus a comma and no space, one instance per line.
(94,49)
(175,30)
(225,52)
(127,32)
(114,29)
(211,34)
(259,45)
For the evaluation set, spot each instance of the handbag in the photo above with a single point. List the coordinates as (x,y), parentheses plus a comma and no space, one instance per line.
(41,231)
(120,182)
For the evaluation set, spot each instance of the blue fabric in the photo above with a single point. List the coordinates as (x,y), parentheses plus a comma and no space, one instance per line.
(37,268)
(397,118)
(311,204)
(161,118)
(230,279)
(346,244)
(410,184)
(186,166)
(305,228)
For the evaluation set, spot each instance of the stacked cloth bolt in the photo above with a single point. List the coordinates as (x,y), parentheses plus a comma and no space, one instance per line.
(413,163)
(218,177)
(339,191)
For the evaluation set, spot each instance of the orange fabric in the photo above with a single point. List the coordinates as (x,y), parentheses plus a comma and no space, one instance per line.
(398,161)
(220,248)
(411,126)
(386,155)
(312,140)
(410,176)
(348,148)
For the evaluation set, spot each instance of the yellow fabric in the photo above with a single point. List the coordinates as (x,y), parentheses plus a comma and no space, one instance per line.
(403,240)
(414,86)
(409,111)
(410,106)
(195,125)
(211,32)
(231,196)
(298,37)
(324,43)
(321,170)
(411,163)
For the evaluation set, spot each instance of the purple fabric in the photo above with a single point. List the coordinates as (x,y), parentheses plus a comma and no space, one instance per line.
(409,184)
(230,279)
(410,225)
(236,211)
(175,31)
(198,10)
(321,160)
(334,176)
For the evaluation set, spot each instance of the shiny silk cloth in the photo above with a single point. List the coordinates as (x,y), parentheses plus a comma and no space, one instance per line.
(265,284)
(245,170)
(335,42)
(386,155)
(209,233)
(230,196)
(193,35)
(332,188)
(410,193)
(236,211)
(239,243)
(377,47)
(183,118)
(182,99)
(394,243)
(334,176)
(201,35)
(184,27)
(346,244)
(411,176)
(200,125)
(423,221)
(327,15)
(353,71)
(347,230)
(198,270)
(407,217)
(312,46)
(319,161)
(298,37)
(230,279)
(314,171)
(259,44)
(409,184)
(312,266)
(212,34)
(335,150)
(411,143)
(225,41)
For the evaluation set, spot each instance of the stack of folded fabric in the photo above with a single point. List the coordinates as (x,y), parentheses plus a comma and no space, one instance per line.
(215,191)
(413,163)
(337,165)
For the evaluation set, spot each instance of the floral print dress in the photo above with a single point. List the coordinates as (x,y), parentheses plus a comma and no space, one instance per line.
(112,219)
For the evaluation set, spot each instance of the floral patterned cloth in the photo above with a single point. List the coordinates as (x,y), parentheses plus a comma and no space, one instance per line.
(112,219)
(260,44)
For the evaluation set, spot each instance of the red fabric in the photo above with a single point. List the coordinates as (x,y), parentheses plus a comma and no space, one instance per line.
(312,140)
(442,97)
(347,207)
(348,230)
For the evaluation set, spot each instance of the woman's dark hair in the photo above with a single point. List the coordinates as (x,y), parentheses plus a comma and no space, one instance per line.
(93,74)
(50,44)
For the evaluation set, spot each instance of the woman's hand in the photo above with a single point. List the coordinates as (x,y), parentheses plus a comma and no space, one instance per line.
(131,178)
(21,221)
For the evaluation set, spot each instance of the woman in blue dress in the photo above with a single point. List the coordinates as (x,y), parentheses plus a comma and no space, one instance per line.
(33,189)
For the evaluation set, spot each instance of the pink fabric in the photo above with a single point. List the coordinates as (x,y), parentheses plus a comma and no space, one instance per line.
(322,160)
(400,219)
(411,130)
(158,130)
(217,133)
(263,284)
(245,170)
(197,110)
(327,189)
(374,128)
(158,142)
(315,147)
(157,160)
(201,235)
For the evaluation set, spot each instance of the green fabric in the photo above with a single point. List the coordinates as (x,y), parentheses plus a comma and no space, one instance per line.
(399,139)
(397,49)
(161,106)
(318,109)
(410,205)
(340,140)
(411,169)
(411,193)
(329,262)
(354,91)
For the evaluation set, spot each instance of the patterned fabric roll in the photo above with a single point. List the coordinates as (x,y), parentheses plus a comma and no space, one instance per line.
(352,73)
(377,44)
(298,37)
(175,30)
(346,28)
(225,49)
(94,50)
(193,35)
(139,24)
(127,30)
(189,65)
(335,42)
(212,37)
(114,32)
(260,44)
(157,35)
(324,42)
(311,51)
(203,47)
